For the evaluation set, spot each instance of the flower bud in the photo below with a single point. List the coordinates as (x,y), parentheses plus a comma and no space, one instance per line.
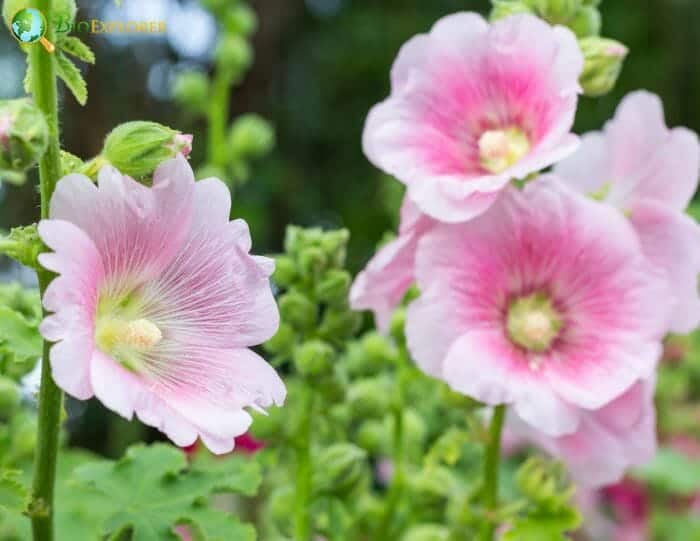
(285,271)
(379,348)
(23,245)
(557,11)
(282,343)
(251,136)
(297,310)
(603,63)
(586,22)
(430,491)
(334,245)
(373,436)
(233,53)
(427,532)
(138,148)
(10,396)
(240,19)
(24,134)
(333,287)
(339,469)
(191,90)
(505,8)
(370,397)
(314,358)
(312,262)
(339,323)
(398,326)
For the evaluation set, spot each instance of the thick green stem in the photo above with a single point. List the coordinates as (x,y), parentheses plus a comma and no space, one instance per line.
(302,510)
(491,464)
(43,74)
(218,117)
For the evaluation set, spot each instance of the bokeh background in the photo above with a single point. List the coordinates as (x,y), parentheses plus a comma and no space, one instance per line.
(320,65)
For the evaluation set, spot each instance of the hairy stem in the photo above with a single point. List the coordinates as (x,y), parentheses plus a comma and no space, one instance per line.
(218,117)
(491,463)
(302,511)
(41,510)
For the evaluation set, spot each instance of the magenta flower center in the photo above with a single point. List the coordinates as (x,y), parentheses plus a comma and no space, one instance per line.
(533,323)
(501,149)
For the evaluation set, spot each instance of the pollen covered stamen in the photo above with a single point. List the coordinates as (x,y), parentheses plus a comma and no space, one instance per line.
(501,149)
(533,323)
(126,341)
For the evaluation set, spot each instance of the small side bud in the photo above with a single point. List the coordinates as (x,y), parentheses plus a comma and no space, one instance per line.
(191,90)
(339,469)
(505,8)
(70,163)
(283,341)
(251,136)
(234,53)
(240,19)
(138,148)
(314,358)
(23,245)
(603,63)
(370,397)
(286,272)
(586,22)
(297,310)
(24,134)
(333,287)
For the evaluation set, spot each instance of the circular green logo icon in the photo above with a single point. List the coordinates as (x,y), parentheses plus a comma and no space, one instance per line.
(29,26)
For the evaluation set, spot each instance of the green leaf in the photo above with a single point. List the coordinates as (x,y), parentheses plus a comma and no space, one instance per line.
(672,472)
(152,489)
(75,47)
(70,74)
(540,529)
(19,335)
(13,495)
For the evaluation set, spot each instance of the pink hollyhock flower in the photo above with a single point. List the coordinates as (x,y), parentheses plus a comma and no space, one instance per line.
(473,106)
(389,274)
(157,302)
(607,441)
(650,172)
(545,302)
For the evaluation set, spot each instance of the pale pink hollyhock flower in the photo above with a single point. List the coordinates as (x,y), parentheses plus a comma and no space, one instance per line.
(651,173)
(381,286)
(473,106)
(157,302)
(545,302)
(607,442)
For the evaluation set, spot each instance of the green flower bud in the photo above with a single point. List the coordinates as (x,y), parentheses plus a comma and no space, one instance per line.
(339,469)
(10,396)
(62,11)
(23,245)
(240,19)
(603,59)
(138,148)
(24,134)
(24,435)
(70,163)
(285,271)
(339,323)
(191,90)
(314,358)
(283,341)
(557,11)
(297,310)
(312,262)
(379,348)
(430,491)
(398,326)
(334,245)
(370,397)
(586,22)
(293,240)
(505,8)
(373,436)
(234,53)
(251,136)
(427,532)
(414,427)
(333,287)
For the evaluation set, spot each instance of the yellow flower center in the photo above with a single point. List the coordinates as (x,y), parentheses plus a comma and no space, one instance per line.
(126,341)
(501,149)
(533,323)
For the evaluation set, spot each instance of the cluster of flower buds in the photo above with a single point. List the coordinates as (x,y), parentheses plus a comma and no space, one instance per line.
(603,57)
(249,136)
